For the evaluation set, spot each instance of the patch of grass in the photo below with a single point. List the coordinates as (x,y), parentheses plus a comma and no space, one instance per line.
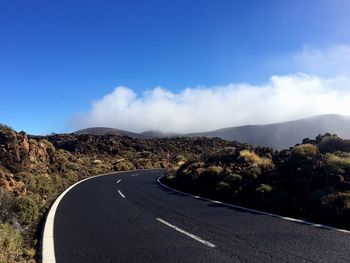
(339,160)
(145,163)
(11,243)
(249,156)
(337,202)
(7,205)
(251,173)
(304,152)
(41,185)
(214,170)
(28,210)
(252,158)
(233,179)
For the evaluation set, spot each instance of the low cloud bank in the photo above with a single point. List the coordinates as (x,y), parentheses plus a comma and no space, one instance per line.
(282,98)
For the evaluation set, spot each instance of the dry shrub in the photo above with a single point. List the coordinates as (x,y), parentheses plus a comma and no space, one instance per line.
(304,152)
(252,158)
(10,244)
(341,160)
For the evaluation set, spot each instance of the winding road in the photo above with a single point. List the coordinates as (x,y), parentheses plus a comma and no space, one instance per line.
(130,217)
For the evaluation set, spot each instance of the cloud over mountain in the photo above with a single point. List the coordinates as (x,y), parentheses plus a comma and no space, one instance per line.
(282,98)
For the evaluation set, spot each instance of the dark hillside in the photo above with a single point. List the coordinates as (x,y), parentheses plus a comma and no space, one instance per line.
(309,181)
(105,130)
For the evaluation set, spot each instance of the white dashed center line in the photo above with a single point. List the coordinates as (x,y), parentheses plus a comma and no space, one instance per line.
(119,181)
(121,194)
(186,233)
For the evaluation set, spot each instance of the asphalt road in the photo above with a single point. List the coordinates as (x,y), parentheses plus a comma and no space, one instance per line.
(135,219)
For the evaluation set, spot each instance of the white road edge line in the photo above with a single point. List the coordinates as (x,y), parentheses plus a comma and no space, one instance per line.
(47,242)
(257,211)
(121,194)
(119,181)
(186,233)
(48,246)
(133,175)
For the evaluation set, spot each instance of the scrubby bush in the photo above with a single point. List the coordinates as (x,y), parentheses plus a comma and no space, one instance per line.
(29,254)
(124,165)
(191,170)
(253,159)
(7,205)
(71,177)
(28,209)
(74,166)
(10,244)
(171,176)
(261,197)
(214,170)
(335,209)
(233,179)
(251,173)
(304,152)
(206,180)
(250,156)
(160,164)
(338,163)
(337,202)
(199,171)
(44,185)
(97,162)
(265,163)
(39,184)
(58,182)
(263,189)
(145,163)
(180,158)
(230,186)
(195,165)
(332,143)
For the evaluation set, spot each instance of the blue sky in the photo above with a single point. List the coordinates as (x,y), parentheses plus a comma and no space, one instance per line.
(58,59)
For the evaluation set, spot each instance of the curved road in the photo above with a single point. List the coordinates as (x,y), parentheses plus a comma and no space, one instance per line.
(130,217)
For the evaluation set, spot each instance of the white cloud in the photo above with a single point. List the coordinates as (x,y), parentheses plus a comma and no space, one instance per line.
(282,98)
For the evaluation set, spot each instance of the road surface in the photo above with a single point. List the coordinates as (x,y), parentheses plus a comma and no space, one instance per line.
(130,217)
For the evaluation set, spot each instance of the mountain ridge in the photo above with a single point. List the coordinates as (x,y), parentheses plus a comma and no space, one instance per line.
(279,135)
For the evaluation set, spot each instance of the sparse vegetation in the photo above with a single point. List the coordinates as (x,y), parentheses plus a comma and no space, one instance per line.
(11,242)
(7,204)
(252,158)
(304,152)
(309,181)
(28,209)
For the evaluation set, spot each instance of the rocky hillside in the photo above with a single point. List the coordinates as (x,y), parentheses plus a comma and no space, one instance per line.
(309,181)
